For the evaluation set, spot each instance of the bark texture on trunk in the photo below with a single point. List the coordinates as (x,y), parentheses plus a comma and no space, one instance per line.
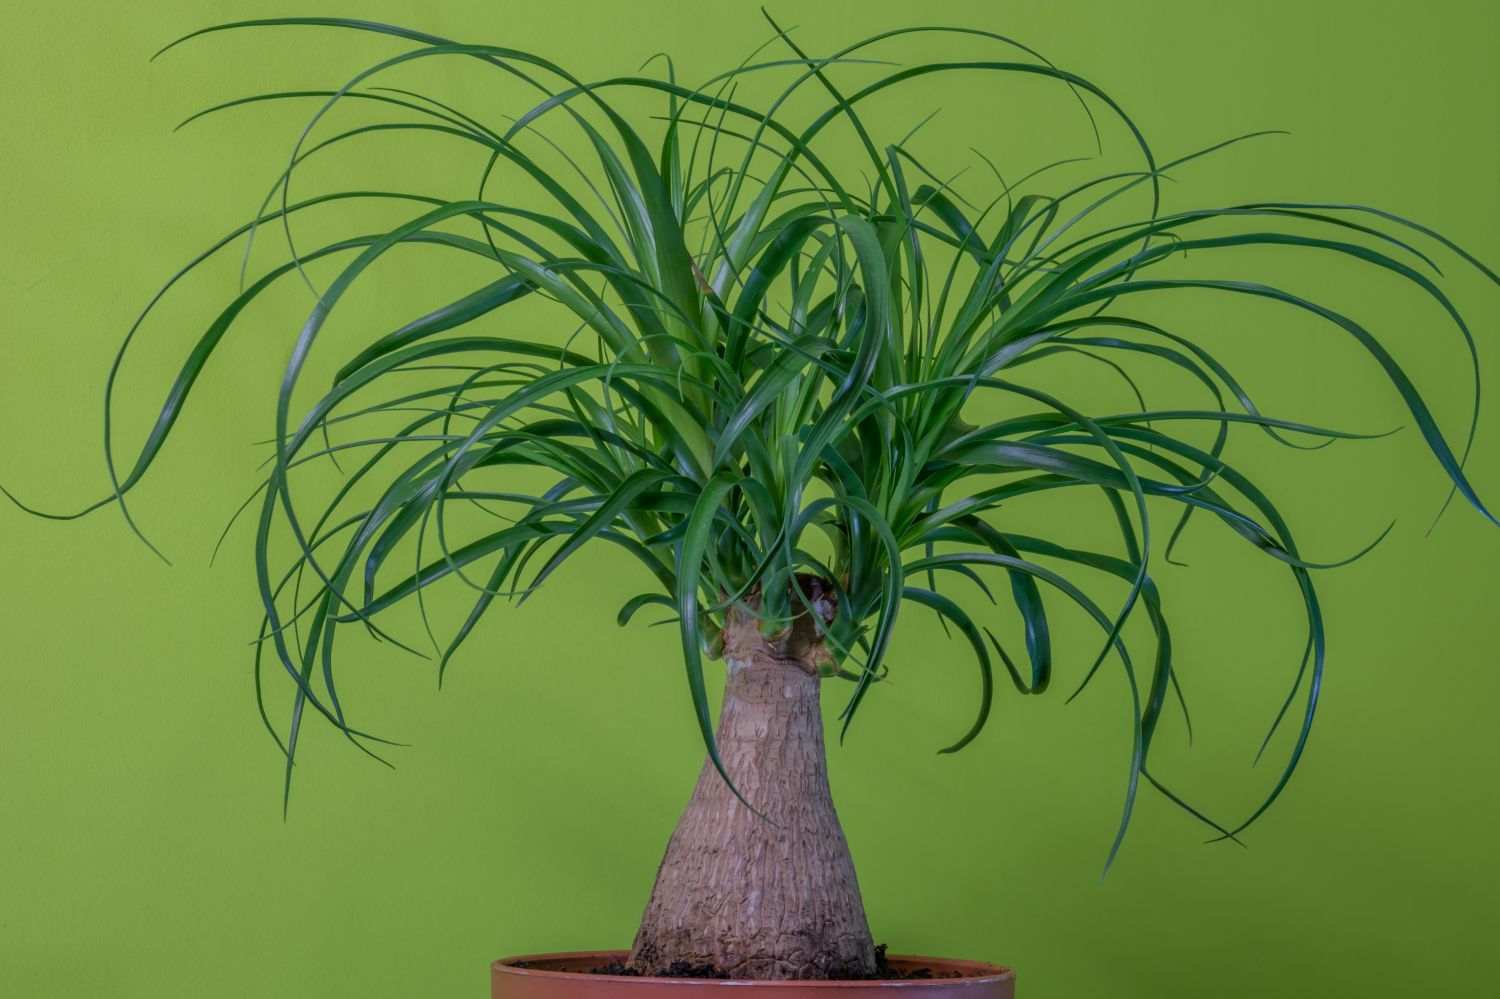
(734,891)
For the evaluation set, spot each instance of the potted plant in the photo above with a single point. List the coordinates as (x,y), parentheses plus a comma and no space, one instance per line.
(774,379)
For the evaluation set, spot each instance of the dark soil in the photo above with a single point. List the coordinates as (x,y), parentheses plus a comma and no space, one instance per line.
(884,971)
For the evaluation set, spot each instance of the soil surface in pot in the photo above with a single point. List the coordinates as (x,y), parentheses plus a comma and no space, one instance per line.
(884,970)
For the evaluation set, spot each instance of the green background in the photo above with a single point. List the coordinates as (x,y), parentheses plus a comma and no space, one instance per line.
(142,847)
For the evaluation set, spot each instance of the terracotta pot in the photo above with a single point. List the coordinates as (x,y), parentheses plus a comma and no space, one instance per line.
(565,976)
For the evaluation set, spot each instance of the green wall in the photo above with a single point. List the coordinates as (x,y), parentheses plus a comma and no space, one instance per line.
(142,847)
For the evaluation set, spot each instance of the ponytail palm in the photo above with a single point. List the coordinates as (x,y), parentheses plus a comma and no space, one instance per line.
(768,368)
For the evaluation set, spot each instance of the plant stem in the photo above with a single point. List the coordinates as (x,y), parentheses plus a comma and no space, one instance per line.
(761,898)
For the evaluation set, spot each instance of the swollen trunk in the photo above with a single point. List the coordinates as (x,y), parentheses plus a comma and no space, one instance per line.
(772,898)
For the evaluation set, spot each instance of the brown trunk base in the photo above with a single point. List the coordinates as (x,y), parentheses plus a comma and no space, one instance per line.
(772,898)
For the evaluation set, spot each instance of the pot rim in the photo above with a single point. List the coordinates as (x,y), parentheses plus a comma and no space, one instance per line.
(976,972)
